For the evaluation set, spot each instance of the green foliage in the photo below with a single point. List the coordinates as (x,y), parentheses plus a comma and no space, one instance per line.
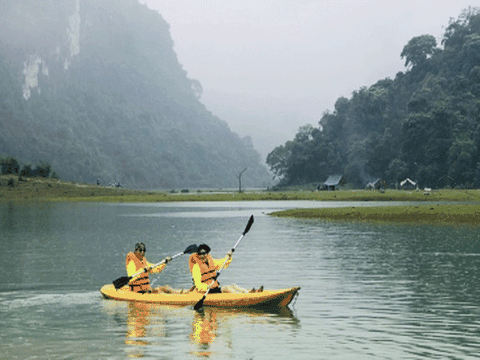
(10,165)
(424,124)
(27,171)
(43,169)
(418,50)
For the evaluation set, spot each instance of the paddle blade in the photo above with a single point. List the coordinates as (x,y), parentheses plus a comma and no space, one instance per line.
(121,282)
(191,249)
(249,225)
(199,304)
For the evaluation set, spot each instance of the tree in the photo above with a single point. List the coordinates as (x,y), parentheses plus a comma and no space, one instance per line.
(418,50)
(27,171)
(461,159)
(467,23)
(10,165)
(397,171)
(379,153)
(278,160)
(424,124)
(43,169)
(415,134)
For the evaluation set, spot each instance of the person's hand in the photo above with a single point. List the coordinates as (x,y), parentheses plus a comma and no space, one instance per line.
(168,259)
(230,254)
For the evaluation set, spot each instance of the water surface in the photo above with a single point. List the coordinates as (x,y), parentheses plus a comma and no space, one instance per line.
(369,291)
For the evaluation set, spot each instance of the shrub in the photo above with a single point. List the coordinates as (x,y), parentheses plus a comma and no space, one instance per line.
(43,169)
(10,165)
(27,171)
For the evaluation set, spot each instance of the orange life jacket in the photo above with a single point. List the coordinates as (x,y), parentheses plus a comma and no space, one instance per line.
(141,282)
(207,269)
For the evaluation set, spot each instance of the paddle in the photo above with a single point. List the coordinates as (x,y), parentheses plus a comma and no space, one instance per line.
(124,280)
(199,304)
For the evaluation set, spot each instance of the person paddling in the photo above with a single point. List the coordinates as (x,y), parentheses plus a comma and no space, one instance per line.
(135,262)
(204,269)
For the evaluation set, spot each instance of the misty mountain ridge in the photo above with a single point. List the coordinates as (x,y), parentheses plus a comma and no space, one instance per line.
(95,89)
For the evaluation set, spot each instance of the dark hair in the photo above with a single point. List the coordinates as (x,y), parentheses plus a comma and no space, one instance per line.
(203,249)
(140,246)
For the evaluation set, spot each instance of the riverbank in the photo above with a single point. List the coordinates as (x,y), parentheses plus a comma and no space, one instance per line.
(437,214)
(14,188)
(17,188)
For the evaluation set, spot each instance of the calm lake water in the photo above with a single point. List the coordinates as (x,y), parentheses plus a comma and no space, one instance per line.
(369,291)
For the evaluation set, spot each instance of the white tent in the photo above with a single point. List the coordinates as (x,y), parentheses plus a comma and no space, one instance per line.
(408,183)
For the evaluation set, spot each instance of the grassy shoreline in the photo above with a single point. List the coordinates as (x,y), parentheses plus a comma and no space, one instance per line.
(40,189)
(16,189)
(435,214)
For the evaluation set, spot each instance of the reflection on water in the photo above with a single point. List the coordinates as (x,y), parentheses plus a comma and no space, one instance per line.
(147,326)
(140,318)
(206,323)
(204,331)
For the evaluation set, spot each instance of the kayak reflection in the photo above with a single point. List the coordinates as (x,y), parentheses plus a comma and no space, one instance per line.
(204,330)
(144,328)
(146,325)
(212,321)
(139,319)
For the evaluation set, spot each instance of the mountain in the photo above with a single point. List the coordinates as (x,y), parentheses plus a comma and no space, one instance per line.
(424,124)
(95,89)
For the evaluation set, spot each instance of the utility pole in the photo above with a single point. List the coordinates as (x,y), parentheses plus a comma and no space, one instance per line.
(240,180)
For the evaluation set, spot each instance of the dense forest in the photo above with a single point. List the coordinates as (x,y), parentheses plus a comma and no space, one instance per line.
(424,124)
(95,89)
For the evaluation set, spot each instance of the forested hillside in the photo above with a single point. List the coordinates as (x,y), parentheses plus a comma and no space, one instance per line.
(424,124)
(95,89)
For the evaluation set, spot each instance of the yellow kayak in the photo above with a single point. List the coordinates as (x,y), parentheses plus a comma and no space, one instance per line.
(263,299)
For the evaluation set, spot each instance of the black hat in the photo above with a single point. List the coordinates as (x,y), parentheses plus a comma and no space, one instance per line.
(140,247)
(203,249)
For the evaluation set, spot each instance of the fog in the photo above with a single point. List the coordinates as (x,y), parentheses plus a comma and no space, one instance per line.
(268,67)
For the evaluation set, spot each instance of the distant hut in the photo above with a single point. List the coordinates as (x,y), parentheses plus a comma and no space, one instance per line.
(332,182)
(408,184)
(376,185)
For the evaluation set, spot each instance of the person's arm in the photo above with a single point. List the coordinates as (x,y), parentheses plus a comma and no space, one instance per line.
(158,268)
(219,262)
(197,279)
(132,269)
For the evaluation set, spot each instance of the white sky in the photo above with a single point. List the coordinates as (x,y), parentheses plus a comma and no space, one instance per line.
(268,67)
